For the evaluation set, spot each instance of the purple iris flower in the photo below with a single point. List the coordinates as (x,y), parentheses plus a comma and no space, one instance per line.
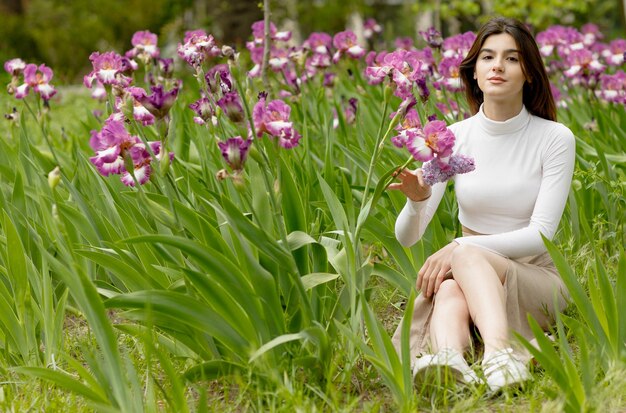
(613,87)
(434,140)
(273,119)
(410,124)
(108,68)
(197,47)
(235,151)
(204,110)
(371,27)
(144,46)
(232,107)
(404,68)
(219,78)
(346,43)
(432,37)
(15,67)
(37,79)
(438,170)
(160,101)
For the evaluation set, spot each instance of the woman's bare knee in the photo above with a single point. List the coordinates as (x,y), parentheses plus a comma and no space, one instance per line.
(466,256)
(449,288)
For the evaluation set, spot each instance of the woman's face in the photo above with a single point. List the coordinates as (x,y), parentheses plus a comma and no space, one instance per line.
(498,69)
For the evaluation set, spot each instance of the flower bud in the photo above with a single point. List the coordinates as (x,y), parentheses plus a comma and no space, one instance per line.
(54,177)
(388,92)
(164,164)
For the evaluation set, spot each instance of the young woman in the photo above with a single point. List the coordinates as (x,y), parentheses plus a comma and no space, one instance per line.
(499,272)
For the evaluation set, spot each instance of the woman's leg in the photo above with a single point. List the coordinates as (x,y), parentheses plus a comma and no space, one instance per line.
(480,275)
(449,325)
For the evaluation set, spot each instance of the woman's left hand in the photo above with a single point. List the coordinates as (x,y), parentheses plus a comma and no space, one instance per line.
(434,270)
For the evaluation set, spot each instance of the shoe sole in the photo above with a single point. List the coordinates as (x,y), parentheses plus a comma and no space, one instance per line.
(436,374)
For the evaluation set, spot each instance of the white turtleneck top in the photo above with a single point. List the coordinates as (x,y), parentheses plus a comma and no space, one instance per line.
(517,192)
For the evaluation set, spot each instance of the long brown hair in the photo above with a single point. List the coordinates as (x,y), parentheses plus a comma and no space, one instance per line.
(536,94)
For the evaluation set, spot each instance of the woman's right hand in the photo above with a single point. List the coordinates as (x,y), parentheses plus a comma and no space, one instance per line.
(411,184)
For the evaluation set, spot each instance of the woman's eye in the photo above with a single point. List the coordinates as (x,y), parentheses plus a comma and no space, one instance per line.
(513,59)
(487,57)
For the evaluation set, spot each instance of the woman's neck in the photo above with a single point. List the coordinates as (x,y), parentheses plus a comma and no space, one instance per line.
(501,111)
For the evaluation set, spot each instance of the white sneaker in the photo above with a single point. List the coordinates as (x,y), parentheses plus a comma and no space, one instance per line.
(503,369)
(446,358)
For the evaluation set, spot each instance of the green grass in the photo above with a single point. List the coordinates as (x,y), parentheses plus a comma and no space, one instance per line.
(277,292)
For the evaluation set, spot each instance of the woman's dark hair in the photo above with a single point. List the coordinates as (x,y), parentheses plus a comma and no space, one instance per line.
(537,95)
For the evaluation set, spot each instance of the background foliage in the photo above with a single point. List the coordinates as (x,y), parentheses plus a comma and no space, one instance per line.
(276,291)
(63,33)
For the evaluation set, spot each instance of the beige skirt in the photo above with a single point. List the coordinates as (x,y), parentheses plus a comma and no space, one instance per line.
(531,286)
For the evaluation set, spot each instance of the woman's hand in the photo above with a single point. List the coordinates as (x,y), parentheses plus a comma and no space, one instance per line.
(411,184)
(434,270)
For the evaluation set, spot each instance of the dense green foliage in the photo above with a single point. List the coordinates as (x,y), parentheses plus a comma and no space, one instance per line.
(63,33)
(265,290)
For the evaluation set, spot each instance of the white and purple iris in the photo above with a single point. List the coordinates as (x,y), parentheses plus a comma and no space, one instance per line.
(117,150)
(144,46)
(235,151)
(35,78)
(197,46)
(346,43)
(273,118)
(405,68)
(160,101)
(108,69)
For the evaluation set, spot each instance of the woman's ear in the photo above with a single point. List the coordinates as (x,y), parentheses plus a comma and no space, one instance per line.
(474,74)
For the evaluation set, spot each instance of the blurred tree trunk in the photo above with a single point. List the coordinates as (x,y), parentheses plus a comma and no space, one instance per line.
(235,17)
(14,6)
(355,23)
(623,13)
(291,22)
(424,21)
(487,6)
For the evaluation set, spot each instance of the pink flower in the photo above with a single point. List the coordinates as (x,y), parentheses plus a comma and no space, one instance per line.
(273,119)
(613,87)
(219,78)
(258,32)
(614,55)
(141,161)
(449,69)
(404,68)
(140,113)
(432,37)
(144,46)
(371,27)
(434,140)
(404,43)
(345,43)
(160,101)
(458,45)
(14,67)
(581,61)
(115,149)
(319,43)
(109,144)
(37,78)
(410,125)
(232,107)
(108,69)
(197,47)
(204,110)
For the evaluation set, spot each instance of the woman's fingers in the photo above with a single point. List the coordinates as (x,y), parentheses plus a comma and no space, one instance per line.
(430,278)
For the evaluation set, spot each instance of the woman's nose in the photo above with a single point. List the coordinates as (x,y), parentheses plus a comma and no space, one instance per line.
(497,66)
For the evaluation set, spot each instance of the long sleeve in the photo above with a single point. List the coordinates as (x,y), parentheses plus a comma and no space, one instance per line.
(557,169)
(415,216)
